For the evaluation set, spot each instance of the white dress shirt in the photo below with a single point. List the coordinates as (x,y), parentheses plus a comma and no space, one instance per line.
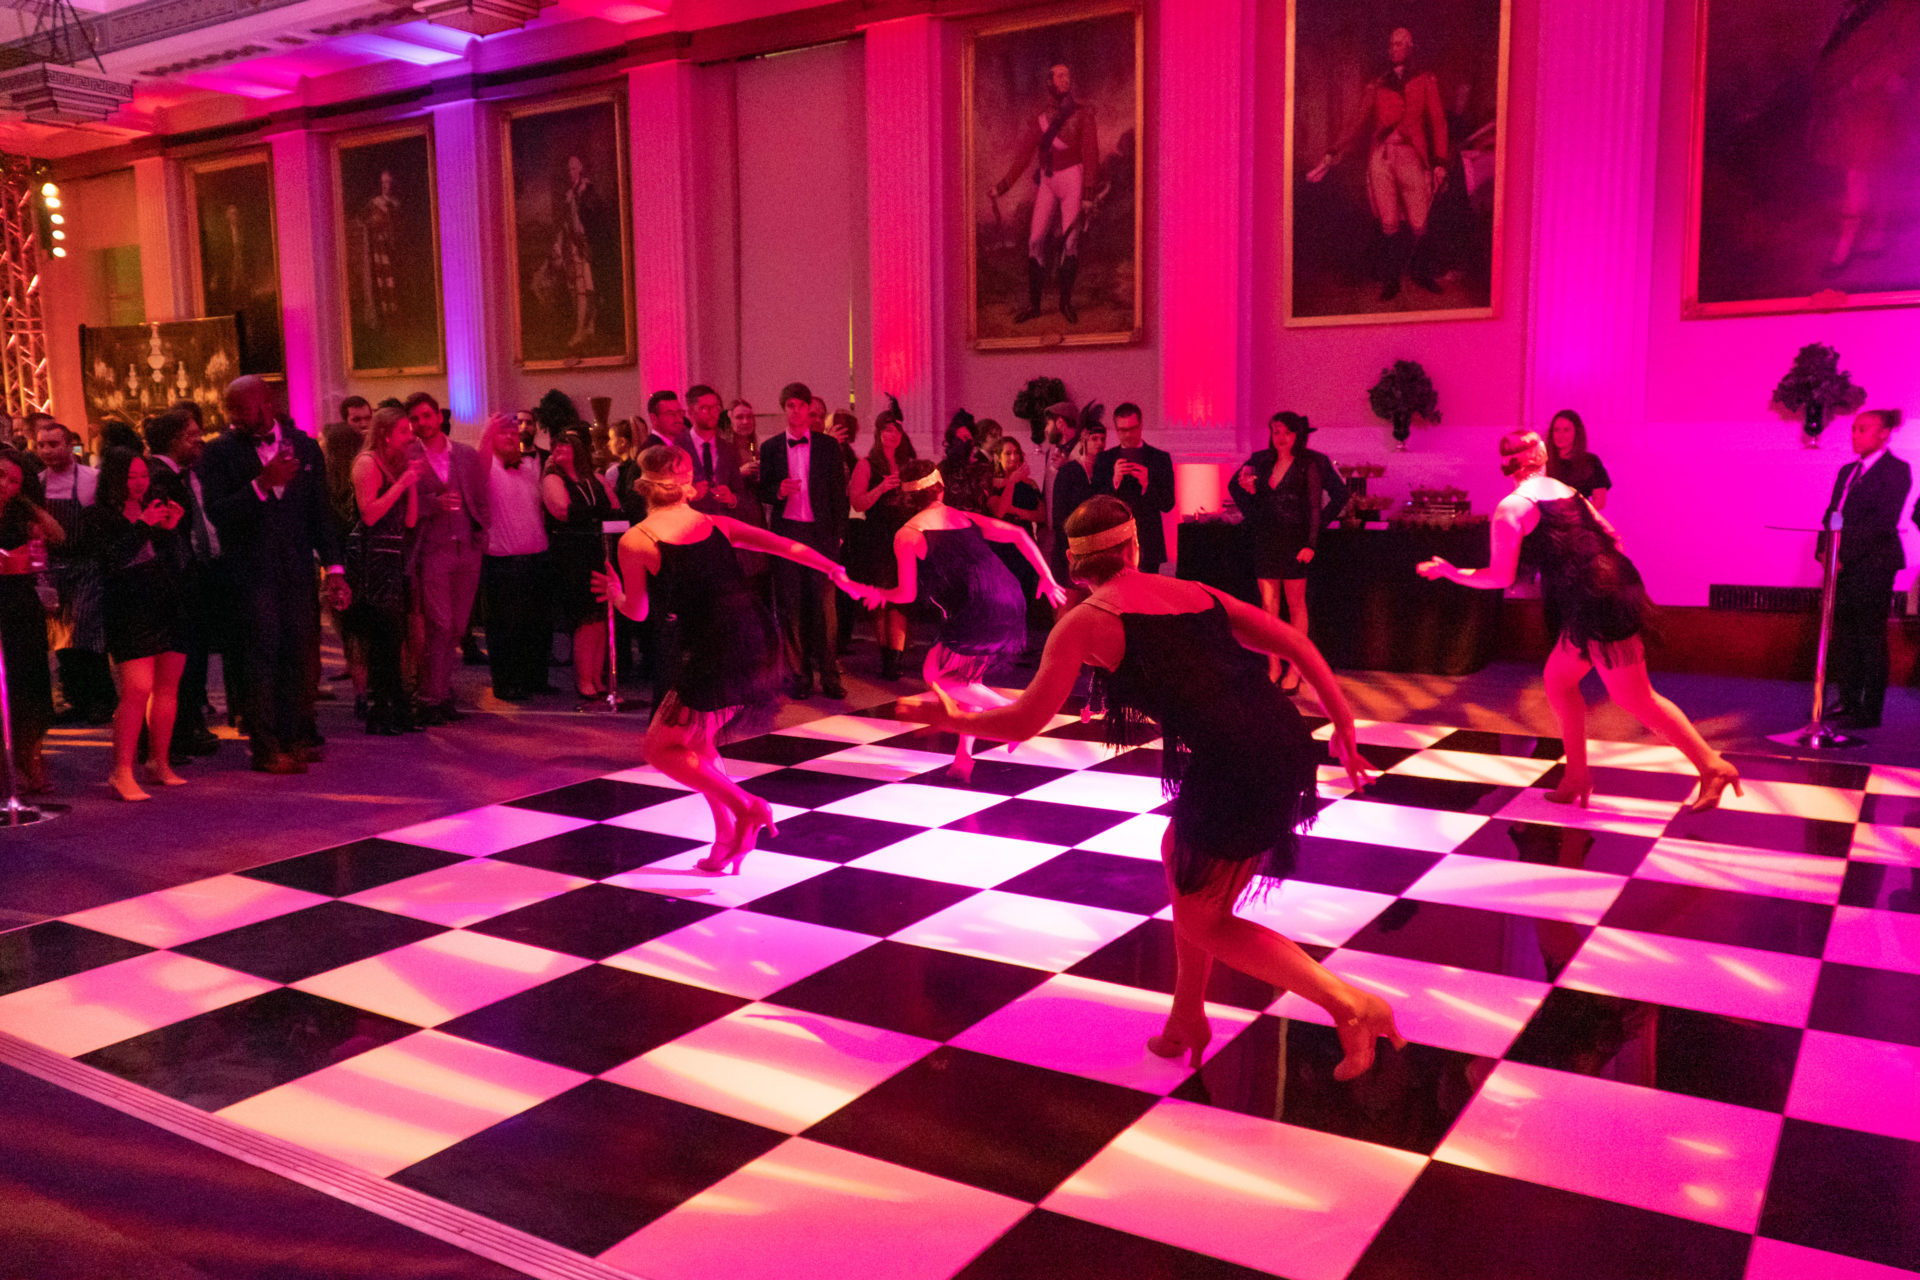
(799,464)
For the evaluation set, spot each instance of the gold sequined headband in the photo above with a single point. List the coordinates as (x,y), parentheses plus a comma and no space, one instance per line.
(926,481)
(1101,541)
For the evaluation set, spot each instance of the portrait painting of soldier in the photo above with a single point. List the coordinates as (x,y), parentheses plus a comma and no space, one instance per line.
(388,230)
(1394,125)
(1807,156)
(569,233)
(1053,155)
(239,267)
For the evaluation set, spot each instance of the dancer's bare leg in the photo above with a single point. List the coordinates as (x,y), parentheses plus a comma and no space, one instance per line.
(1566,667)
(162,708)
(1629,686)
(1270,601)
(1187,1030)
(136,687)
(675,751)
(1296,593)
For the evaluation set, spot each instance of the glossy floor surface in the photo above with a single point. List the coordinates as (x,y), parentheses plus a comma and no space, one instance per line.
(908,1040)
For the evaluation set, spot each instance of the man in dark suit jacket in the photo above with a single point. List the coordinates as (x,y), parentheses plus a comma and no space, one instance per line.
(803,481)
(1869,494)
(1142,477)
(266,489)
(452,540)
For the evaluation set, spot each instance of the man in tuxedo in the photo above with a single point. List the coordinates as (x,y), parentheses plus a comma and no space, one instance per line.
(173,450)
(1142,477)
(1868,494)
(266,494)
(451,539)
(803,481)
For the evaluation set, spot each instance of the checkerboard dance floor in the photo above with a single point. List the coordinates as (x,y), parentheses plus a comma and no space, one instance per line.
(908,1041)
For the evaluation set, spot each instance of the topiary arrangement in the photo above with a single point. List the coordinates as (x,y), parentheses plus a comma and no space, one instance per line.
(1404,393)
(1031,404)
(1815,388)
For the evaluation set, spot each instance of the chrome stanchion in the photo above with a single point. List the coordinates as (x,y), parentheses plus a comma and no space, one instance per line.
(15,812)
(613,529)
(1817,736)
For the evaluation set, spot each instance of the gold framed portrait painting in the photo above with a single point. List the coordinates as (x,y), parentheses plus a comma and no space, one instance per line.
(236,262)
(387,226)
(568,231)
(1054,134)
(1396,121)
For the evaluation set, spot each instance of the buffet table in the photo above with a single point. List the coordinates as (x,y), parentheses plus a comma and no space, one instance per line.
(1370,611)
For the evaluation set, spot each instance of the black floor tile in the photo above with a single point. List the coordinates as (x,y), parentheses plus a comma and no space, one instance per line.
(1143,957)
(806,788)
(1721,915)
(777,748)
(993,776)
(1775,831)
(1002,1126)
(592,1166)
(1096,880)
(1552,846)
(594,1019)
(1055,1247)
(1845,1192)
(913,990)
(1349,865)
(55,949)
(353,868)
(597,798)
(598,851)
(1840,774)
(1483,743)
(834,837)
(1094,730)
(215,1059)
(1875,1004)
(865,901)
(1040,821)
(1380,757)
(1490,941)
(1461,1224)
(1891,811)
(302,943)
(1141,762)
(1705,1055)
(1869,884)
(1632,784)
(596,920)
(1450,794)
(1408,1099)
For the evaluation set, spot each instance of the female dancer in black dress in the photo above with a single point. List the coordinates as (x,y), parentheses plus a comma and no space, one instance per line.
(1237,757)
(944,554)
(875,490)
(1596,605)
(728,656)
(23,618)
(1569,462)
(1287,493)
(142,556)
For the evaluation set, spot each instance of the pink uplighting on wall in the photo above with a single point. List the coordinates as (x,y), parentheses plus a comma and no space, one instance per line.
(903,126)
(658,107)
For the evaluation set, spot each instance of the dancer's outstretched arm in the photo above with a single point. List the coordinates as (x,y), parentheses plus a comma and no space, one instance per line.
(1076,640)
(1001,531)
(1503,565)
(753,538)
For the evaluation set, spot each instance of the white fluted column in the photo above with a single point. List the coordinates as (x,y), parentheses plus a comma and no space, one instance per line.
(160,206)
(904,155)
(659,118)
(475,324)
(1594,122)
(1205,213)
(302,210)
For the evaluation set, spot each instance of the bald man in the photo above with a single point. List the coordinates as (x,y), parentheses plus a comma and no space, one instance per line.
(266,490)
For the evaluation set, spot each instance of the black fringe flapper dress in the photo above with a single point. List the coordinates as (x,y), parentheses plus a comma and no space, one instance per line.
(983,612)
(724,661)
(1591,594)
(1235,754)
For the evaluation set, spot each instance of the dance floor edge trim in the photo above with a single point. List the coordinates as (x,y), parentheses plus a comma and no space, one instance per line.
(462,1228)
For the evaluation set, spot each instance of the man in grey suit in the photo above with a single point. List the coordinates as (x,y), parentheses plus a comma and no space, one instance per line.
(452,541)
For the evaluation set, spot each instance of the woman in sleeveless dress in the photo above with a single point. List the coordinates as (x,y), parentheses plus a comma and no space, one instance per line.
(874,489)
(1236,756)
(727,659)
(945,555)
(1597,607)
(380,552)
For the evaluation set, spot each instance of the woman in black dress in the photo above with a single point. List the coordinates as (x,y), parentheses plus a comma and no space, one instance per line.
(24,522)
(1237,758)
(1073,485)
(1596,605)
(1569,462)
(727,663)
(963,469)
(380,558)
(875,490)
(142,554)
(577,505)
(1287,493)
(948,556)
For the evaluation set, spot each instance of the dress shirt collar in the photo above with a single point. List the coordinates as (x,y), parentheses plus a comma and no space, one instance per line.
(1866,463)
(799,441)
